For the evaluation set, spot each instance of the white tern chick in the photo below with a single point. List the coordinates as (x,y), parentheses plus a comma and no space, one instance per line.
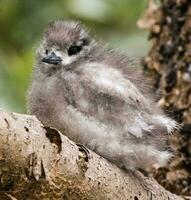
(98,99)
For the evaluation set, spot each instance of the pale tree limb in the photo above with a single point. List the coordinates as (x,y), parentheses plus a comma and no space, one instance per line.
(39,163)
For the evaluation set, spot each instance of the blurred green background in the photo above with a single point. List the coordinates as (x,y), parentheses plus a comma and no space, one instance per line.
(21,27)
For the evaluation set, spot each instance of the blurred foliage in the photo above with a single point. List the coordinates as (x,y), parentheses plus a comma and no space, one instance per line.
(21,27)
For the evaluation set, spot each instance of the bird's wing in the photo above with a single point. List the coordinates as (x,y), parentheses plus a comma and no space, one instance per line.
(126,102)
(111,81)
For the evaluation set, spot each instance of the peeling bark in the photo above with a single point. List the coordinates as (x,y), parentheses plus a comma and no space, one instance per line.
(40,163)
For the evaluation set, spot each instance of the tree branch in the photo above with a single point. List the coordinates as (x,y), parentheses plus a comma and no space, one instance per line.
(40,163)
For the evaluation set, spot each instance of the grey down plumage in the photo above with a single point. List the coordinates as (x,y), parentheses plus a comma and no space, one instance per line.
(97,98)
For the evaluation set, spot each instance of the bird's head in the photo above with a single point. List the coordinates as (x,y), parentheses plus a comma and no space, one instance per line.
(64,43)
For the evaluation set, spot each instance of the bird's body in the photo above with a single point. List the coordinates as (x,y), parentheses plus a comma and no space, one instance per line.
(98,99)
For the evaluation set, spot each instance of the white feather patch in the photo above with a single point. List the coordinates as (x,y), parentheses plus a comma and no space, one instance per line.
(169,123)
(112,81)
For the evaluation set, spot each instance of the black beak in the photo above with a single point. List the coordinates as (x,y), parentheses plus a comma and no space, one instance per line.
(52,59)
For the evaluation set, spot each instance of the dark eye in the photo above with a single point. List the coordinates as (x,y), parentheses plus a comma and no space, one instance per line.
(74,50)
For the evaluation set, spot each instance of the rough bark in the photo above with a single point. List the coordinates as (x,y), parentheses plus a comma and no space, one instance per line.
(40,163)
(169,63)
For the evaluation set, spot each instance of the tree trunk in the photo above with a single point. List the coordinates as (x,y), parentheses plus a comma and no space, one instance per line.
(40,163)
(169,63)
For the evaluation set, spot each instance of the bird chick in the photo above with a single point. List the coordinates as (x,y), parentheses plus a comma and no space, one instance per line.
(97,98)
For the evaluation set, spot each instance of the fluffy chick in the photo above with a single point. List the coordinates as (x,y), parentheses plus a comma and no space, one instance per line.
(97,98)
